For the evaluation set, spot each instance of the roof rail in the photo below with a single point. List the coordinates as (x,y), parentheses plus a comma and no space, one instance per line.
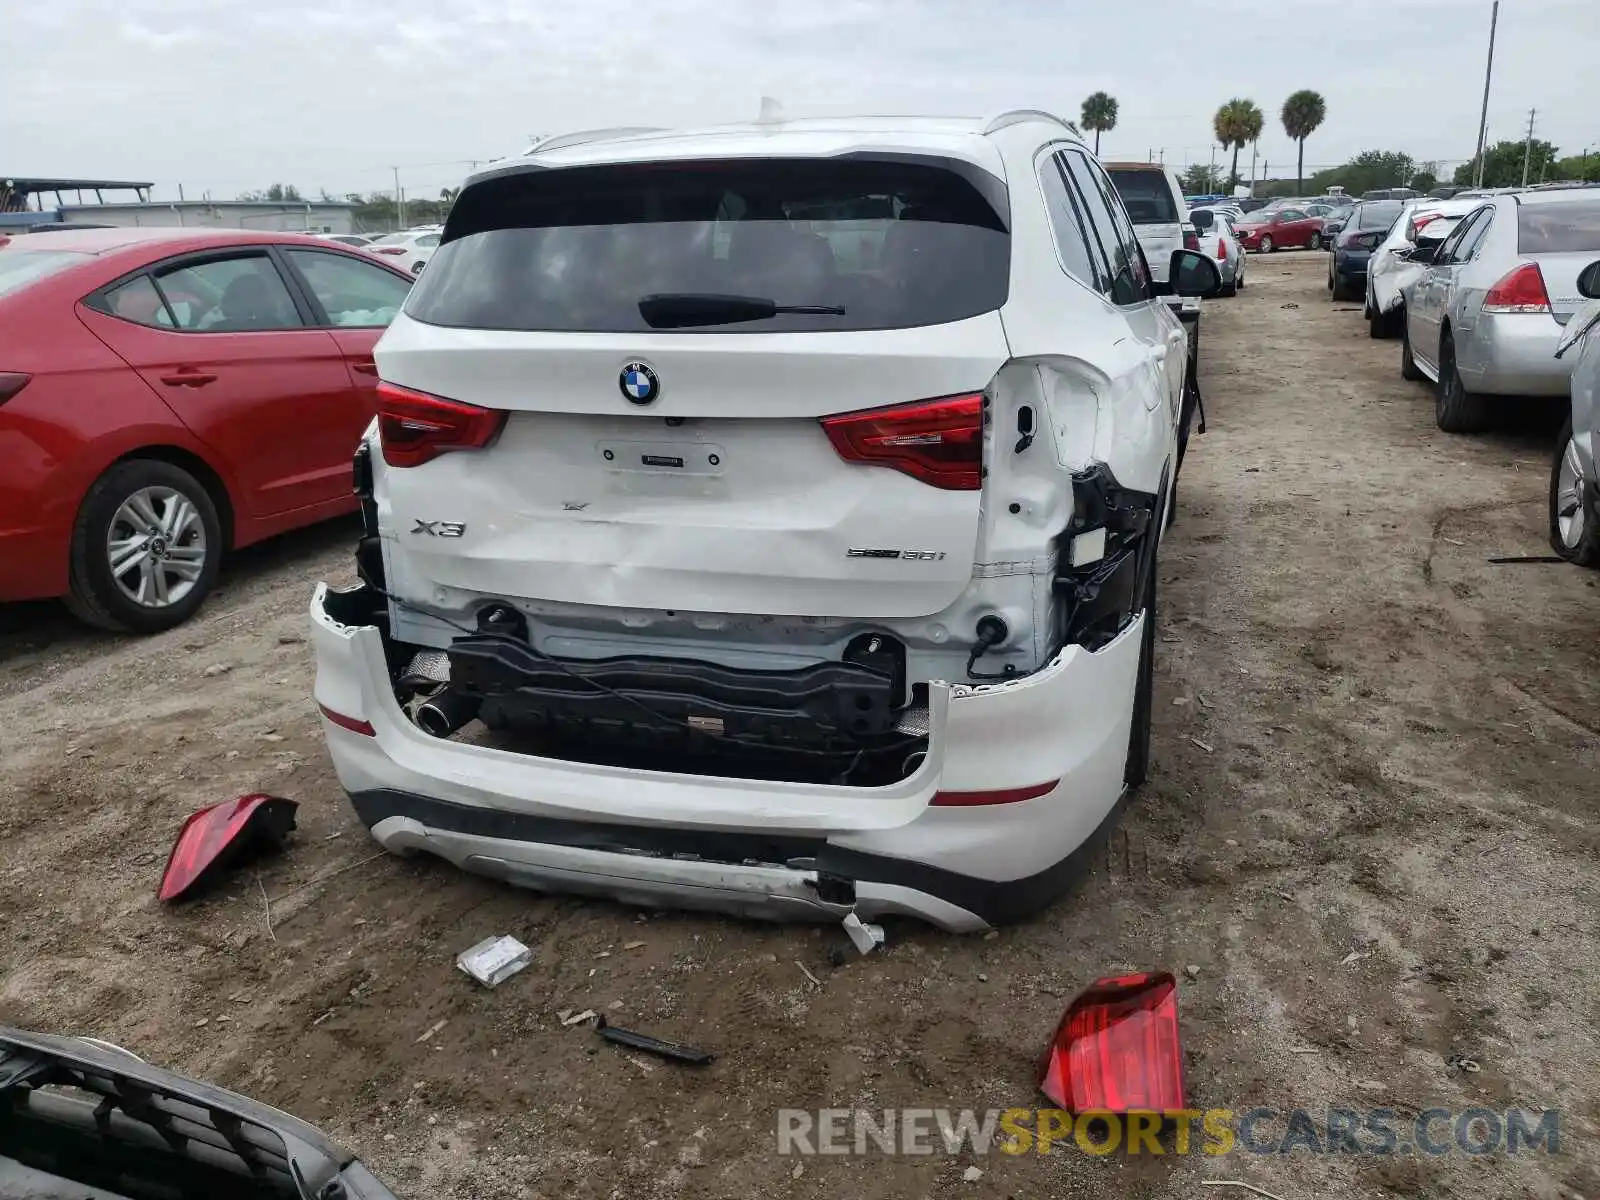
(1018,115)
(562,140)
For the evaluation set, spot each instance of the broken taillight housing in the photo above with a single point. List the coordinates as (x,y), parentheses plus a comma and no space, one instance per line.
(937,441)
(1521,290)
(1116,1049)
(415,427)
(223,834)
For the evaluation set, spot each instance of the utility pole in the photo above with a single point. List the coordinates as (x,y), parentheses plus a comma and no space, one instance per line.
(1252,168)
(399,202)
(1488,72)
(1527,147)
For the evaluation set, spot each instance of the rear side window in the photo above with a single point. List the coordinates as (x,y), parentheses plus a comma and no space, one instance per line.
(138,301)
(1559,228)
(228,295)
(1067,223)
(894,244)
(19,268)
(1146,196)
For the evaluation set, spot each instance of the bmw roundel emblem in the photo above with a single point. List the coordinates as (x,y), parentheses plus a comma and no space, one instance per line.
(639,383)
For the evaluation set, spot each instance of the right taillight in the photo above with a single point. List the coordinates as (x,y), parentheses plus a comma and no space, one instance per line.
(1117,1049)
(387,249)
(937,441)
(1520,291)
(414,427)
(12,382)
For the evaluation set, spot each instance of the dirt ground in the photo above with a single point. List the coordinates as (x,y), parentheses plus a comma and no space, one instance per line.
(1369,741)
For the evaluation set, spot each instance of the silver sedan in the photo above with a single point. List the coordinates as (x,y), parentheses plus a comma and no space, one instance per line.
(1574,480)
(1484,318)
(1214,225)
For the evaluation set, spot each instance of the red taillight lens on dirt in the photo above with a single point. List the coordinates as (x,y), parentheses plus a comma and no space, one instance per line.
(937,441)
(1117,1050)
(1521,291)
(223,833)
(1003,796)
(414,427)
(12,382)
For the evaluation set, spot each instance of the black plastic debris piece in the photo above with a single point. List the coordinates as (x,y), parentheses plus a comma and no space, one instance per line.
(676,1051)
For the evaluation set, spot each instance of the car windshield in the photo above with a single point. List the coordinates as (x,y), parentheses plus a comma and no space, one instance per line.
(1146,196)
(19,268)
(826,245)
(1377,214)
(1570,227)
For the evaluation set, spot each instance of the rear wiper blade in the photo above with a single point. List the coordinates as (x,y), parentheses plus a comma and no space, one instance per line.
(679,310)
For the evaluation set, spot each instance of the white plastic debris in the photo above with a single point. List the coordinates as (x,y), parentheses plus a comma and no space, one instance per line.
(867,938)
(494,960)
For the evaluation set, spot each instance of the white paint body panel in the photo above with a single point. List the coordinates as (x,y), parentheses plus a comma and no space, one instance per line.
(1069,721)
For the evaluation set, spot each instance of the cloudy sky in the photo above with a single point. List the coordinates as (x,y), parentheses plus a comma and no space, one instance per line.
(223,95)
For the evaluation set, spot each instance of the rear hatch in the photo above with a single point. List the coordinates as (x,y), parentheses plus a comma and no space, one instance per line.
(1563,237)
(671,345)
(1155,214)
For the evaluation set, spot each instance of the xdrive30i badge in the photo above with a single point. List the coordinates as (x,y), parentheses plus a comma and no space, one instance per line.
(903,555)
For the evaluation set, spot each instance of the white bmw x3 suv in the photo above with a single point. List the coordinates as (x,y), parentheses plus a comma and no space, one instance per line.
(765,519)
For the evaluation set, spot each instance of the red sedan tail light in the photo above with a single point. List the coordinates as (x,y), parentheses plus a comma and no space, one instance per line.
(1520,291)
(937,441)
(1116,1049)
(414,427)
(12,382)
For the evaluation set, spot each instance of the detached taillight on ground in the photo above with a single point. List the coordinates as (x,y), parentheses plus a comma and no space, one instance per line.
(12,382)
(1520,291)
(223,835)
(414,427)
(1117,1050)
(937,441)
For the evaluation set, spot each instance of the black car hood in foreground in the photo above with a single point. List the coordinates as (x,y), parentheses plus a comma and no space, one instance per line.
(114,1126)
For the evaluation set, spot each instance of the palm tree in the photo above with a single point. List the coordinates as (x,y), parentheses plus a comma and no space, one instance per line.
(448,195)
(1099,116)
(1237,124)
(1302,113)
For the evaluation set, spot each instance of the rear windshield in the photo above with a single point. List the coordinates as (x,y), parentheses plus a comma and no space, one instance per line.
(869,243)
(19,268)
(1146,196)
(1554,228)
(1377,214)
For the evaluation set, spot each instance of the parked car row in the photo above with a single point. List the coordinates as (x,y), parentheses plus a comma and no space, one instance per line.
(1496,300)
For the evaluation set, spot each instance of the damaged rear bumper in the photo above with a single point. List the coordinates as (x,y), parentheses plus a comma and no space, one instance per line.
(760,848)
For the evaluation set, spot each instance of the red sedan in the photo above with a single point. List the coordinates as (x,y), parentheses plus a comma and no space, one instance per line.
(169,394)
(1280,228)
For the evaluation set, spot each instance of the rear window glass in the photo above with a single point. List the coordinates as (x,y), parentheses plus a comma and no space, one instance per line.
(1554,228)
(1378,214)
(19,268)
(1146,196)
(714,244)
